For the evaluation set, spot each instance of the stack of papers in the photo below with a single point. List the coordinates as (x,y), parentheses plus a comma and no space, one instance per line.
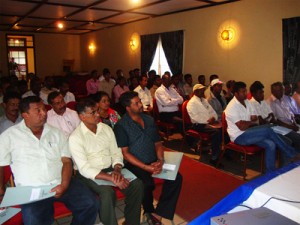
(281,130)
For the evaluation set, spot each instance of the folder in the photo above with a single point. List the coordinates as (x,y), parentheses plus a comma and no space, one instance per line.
(126,173)
(6,214)
(171,165)
(26,194)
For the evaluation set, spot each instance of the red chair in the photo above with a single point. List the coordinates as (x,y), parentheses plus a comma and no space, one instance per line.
(164,125)
(201,136)
(245,150)
(60,210)
(71,105)
(17,219)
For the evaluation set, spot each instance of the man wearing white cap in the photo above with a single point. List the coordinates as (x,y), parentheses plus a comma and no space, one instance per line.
(215,99)
(204,119)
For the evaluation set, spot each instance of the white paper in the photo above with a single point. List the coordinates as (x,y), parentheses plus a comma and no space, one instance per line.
(8,213)
(168,166)
(35,194)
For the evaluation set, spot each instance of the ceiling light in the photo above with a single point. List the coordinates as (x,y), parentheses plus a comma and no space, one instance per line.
(60,25)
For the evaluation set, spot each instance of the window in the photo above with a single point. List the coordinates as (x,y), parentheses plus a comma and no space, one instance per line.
(159,63)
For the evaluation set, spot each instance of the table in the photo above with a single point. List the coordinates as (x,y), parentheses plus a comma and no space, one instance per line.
(280,183)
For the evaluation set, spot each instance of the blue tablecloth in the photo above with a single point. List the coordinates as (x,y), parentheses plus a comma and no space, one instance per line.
(239,195)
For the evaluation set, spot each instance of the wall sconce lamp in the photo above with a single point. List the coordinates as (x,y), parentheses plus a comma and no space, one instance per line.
(92,48)
(227,35)
(60,25)
(132,43)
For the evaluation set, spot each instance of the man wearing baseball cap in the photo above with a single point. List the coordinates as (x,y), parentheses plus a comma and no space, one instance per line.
(215,99)
(204,119)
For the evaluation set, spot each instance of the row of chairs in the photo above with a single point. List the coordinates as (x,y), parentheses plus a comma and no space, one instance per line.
(202,136)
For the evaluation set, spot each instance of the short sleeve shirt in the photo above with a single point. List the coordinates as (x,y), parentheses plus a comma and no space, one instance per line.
(140,141)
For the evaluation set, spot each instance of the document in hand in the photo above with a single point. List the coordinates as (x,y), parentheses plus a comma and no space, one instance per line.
(126,173)
(8,213)
(281,130)
(25,194)
(171,166)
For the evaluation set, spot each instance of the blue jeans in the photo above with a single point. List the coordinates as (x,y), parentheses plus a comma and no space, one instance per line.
(266,138)
(78,198)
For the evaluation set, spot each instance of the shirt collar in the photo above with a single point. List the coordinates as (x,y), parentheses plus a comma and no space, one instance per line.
(86,130)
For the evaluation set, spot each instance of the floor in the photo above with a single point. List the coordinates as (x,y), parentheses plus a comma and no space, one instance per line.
(120,215)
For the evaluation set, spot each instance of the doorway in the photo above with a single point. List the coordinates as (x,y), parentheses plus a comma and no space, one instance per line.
(20,52)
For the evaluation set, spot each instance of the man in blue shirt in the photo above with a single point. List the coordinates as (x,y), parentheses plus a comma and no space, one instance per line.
(137,136)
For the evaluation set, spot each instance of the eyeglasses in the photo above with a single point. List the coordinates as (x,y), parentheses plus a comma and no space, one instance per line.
(93,113)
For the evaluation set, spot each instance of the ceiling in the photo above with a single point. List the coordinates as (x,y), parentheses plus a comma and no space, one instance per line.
(83,16)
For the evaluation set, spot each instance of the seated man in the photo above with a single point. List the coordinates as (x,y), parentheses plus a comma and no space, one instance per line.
(95,153)
(138,138)
(12,116)
(107,84)
(204,119)
(188,86)
(92,85)
(64,90)
(144,94)
(296,95)
(35,88)
(47,89)
(167,99)
(60,116)
(243,129)
(266,115)
(156,84)
(281,107)
(38,155)
(215,99)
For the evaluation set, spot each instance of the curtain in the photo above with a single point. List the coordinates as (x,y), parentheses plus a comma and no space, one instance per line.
(172,43)
(148,47)
(291,50)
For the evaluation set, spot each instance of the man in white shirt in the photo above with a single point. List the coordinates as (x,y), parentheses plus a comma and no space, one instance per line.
(96,155)
(107,84)
(266,115)
(38,155)
(12,116)
(60,116)
(168,99)
(47,89)
(243,129)
(35,88)
(204,119)
(64,90)
(144,94)
(296,95)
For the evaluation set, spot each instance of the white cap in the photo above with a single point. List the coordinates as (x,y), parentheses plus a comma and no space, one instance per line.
(198,86)
(215,81)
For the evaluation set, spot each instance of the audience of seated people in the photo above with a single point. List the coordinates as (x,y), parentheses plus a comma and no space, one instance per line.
(60,116)
(144,94)
(243,117)
(243,128)
(38,154)
(106,114)
(205,119)
(107,84)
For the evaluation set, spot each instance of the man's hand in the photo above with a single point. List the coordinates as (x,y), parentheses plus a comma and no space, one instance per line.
(60,190)
(157,166)
(211,120)
(121,183)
